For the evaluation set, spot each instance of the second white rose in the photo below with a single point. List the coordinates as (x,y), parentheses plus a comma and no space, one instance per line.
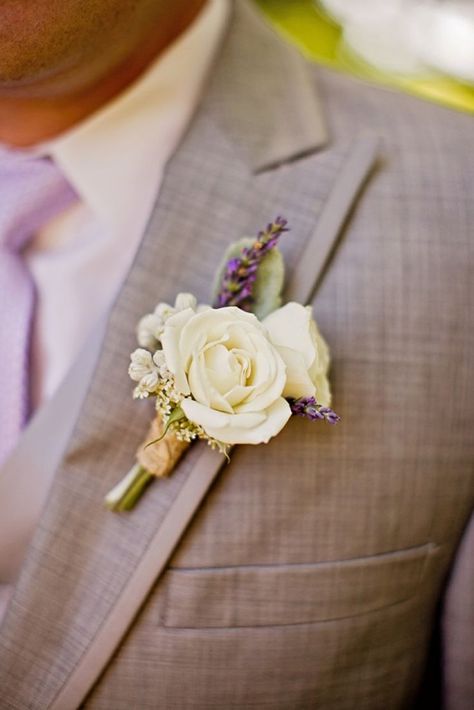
(294,333)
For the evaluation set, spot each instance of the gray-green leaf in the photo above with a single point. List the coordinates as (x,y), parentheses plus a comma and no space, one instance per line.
(269,282)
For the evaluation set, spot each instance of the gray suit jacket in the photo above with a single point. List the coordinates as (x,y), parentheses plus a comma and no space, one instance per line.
(308,573)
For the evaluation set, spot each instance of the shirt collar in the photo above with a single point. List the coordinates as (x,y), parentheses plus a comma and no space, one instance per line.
(114,158)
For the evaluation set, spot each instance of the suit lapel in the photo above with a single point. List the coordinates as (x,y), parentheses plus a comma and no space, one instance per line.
(87,570)
(26,476)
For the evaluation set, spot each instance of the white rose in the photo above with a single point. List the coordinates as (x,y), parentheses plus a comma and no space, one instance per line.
(231,376)
(295,334)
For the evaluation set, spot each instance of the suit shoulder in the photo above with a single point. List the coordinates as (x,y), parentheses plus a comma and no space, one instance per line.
(398,117)
(421,143)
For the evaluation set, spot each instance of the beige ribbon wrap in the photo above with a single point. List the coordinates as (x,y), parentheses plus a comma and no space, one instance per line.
(161,458)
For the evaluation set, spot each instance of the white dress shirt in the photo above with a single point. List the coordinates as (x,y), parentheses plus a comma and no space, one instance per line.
(115,160)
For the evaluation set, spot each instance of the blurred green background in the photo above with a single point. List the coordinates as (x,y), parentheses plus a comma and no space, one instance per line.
(318,37)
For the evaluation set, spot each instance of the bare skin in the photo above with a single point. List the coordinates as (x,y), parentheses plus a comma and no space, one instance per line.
(61,60)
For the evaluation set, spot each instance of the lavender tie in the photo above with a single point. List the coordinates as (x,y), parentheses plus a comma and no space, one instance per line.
(32,192)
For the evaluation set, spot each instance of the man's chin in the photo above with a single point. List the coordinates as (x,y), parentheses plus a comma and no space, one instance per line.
(25,81)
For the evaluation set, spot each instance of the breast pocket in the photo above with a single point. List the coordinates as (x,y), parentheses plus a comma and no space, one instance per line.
(274,595)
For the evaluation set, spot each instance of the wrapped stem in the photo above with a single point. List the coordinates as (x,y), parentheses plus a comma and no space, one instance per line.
(155,460)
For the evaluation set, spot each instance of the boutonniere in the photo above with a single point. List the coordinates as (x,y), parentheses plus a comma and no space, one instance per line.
(231,373)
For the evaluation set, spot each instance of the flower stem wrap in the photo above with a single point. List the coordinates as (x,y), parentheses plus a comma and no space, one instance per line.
(157,460)
(161,457)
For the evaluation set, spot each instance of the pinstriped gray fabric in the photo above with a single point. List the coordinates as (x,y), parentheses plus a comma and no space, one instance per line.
(316,255)
(325,552)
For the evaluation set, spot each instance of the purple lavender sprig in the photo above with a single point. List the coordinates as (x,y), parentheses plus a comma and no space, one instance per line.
(309,408)
(240,273)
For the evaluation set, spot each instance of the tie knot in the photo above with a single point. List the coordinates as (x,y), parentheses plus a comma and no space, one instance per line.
(33,190)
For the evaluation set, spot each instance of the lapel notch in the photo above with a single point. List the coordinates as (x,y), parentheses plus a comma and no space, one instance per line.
(270,108)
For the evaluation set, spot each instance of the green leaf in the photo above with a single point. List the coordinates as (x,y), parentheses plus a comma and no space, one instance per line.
(176,415)
(269,282)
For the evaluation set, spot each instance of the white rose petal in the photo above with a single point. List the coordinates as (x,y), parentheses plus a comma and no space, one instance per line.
(298,380)
(203,307)
(201,386)
(171,348)
(267,388)
(294,333)
(210,418)
(241,428)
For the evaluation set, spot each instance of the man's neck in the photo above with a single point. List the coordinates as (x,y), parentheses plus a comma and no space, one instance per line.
(31,117)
